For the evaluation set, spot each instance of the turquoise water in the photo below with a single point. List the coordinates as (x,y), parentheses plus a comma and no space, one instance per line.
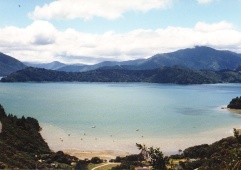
(123,110)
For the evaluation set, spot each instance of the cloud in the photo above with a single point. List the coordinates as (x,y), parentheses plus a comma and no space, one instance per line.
(205,1)
(42,42)
(204,27)
(87,9)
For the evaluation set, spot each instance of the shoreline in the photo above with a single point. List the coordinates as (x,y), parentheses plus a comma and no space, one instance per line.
(236,111)
(107,149)
(105,154)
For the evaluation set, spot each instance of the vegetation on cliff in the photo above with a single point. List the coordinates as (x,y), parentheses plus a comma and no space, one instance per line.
(22,146)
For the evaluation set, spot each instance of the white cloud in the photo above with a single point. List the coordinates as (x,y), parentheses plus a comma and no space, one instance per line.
(42,42)
(86,9)
(223,25)
(205,1)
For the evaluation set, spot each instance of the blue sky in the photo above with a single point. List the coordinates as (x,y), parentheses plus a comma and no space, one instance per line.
(91,31)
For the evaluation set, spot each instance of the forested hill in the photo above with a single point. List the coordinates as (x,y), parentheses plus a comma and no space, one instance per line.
(20,141)
(22,146)
(174,75)
(9,64)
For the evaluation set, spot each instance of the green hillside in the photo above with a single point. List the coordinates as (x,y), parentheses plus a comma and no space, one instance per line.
(174,75)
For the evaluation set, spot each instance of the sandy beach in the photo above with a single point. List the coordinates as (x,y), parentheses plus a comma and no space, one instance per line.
(235,111)
(105,154)
(88,146)
(106,148)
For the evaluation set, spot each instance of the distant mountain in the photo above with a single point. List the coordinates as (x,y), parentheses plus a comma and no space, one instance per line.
(130,65)
(198,58)
(55,65)
(238,68)
(174,75)
(9,64)
(72,68)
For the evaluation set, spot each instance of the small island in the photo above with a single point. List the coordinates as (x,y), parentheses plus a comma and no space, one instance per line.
(235,103)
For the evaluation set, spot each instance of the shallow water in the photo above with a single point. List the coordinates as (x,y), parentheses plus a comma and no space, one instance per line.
(123,113)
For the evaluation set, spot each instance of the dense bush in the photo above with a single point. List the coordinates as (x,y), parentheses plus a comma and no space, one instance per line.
(235,103)
(22,146)
(222,154)
(96,160)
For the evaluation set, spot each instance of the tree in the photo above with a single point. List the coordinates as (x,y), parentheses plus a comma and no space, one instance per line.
(2,112)
(157,159)
(235,103)
(144,153)
(180,151)
(96,160)
(230,159)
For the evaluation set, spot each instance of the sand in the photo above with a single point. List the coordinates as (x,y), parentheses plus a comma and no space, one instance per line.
(106,148)
(87,146)
(105,155)
(236,111)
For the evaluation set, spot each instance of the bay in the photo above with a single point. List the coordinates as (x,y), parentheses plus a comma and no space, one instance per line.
(95,116)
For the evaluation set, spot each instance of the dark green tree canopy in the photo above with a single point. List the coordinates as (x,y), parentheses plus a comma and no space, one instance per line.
(235,103)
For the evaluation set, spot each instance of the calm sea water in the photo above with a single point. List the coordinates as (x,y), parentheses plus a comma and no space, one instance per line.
(122,111)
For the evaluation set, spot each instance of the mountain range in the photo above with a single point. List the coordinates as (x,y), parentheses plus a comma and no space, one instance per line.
(197,58)
(55,65)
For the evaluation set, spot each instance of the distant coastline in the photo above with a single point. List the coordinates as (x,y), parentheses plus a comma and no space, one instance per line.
(163,75)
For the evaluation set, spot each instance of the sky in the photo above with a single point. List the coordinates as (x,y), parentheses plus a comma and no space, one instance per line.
(91,31)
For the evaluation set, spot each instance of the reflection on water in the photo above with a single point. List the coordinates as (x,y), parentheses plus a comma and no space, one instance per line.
(192,111)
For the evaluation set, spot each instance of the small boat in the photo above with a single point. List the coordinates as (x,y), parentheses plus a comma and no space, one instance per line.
(93,126)
(137,129)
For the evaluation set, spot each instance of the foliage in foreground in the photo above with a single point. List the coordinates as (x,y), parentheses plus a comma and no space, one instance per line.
(22,146)
(224,154)
(148,157)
